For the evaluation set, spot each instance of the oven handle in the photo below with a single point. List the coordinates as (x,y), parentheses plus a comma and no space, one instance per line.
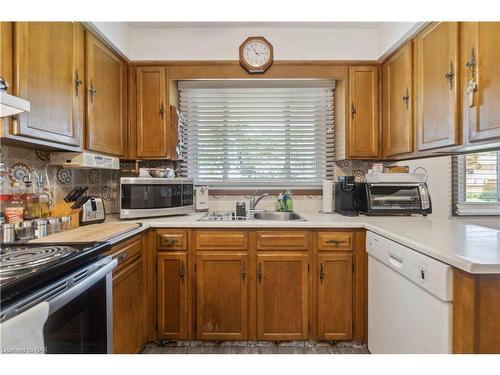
(59,300)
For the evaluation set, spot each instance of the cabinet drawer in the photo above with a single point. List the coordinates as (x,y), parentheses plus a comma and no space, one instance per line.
(221,240)
(172,239)
(283,240)
(335,240)
(126,252)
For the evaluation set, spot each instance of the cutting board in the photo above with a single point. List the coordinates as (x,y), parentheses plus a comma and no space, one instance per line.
(93,232)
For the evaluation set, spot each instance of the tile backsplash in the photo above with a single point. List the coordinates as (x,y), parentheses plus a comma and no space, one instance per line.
(102,183)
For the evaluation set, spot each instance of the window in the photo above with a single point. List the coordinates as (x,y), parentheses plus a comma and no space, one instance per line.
(254,133)
(478,184)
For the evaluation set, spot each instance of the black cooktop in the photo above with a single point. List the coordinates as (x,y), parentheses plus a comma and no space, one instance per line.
(24,267)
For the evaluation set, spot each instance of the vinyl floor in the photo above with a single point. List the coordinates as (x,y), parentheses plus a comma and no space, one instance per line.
(247,347)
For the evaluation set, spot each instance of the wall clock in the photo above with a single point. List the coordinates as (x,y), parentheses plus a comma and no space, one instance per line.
(256,54)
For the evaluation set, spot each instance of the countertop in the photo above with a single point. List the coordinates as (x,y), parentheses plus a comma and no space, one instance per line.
(458,242)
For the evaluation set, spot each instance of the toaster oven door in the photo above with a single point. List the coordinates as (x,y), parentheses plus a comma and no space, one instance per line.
(401,198)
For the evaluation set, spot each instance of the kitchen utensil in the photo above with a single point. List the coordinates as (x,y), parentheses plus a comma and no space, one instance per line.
(162,172)
(80,201)
(69,196)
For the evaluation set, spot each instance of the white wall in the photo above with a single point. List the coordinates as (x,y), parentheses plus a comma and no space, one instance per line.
(210,43)
(438,180)
(117,33)
(309,41)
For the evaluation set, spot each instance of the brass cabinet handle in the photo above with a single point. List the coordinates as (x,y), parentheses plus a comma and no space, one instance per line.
(182,271)
(321,273)
(92,92)
(353,110)
(78,82)
(162,110)
(244,271)
(406,98)
(335,242)
(260,273)
(450,75)
(122,257)
(170,242)
(471,63)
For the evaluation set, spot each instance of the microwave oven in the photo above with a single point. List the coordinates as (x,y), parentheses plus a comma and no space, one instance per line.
(150,196)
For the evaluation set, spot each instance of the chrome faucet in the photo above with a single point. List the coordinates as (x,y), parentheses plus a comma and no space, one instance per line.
(254,199)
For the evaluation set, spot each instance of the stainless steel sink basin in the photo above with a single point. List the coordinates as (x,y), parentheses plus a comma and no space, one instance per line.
(278,216)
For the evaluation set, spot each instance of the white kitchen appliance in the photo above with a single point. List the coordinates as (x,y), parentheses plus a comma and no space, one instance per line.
(201,197)
(409,300)
(10,104)
(84,160)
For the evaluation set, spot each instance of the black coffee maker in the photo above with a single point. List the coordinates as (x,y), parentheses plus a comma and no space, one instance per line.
(344,196)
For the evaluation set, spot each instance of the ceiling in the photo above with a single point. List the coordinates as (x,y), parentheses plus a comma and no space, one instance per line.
(309,25)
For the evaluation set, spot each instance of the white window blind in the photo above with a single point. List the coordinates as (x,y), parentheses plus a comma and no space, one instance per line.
(478,184)
(258,132)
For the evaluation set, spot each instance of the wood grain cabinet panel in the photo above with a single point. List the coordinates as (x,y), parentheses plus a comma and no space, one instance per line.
(127,252)
(335,241)
(221,240)
(128,309)
(106,99)
(221,296)
(364,120)
(335,315)
(151,112)
(282,296)
(397,97)
(49,72)
(172,239)
(436,80)
(283,240)
(480,64)
(172,295)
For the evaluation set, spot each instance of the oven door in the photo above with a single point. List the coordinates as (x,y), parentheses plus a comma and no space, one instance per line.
(80,312)
(394,198)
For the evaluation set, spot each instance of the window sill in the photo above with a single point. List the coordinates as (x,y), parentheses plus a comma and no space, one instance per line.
(477,209)
(239,191)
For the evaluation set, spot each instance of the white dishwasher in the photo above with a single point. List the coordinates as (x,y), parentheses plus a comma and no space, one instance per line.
(409,300)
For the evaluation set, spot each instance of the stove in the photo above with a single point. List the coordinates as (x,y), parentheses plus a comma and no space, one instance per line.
(24,267)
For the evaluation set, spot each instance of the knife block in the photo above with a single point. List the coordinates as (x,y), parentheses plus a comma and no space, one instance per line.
(63,208)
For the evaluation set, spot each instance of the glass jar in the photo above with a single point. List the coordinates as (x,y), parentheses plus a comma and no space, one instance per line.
(65,223)
(14,212)
(54,225)
(26,231)
(41,228)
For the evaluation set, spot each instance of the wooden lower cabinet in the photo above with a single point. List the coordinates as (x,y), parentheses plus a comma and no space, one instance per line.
(128,308)
(172,295)
(282,296)
(334,301)
(221,296)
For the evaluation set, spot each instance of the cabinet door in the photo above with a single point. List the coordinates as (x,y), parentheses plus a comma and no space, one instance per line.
(106,118)
(128,309)
(480,54)
(172,295)
(151,112)
(221,296)
(282,296)
(436,82)
(364,124)
(335,297)
(48,66)
(397,103)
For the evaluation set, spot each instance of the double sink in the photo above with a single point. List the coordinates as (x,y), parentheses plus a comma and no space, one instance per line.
(258,215)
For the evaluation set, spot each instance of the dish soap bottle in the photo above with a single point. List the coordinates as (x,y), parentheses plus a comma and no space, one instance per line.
(288,202)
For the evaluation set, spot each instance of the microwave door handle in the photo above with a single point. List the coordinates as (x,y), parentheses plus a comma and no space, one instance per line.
(58,301)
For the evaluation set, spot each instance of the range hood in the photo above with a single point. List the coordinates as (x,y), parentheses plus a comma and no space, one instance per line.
(10,104)
(84,160)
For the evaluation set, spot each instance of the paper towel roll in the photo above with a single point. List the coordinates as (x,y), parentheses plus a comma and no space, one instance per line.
(327,195)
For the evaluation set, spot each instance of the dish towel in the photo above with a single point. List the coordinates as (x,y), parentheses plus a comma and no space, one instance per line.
(23,334)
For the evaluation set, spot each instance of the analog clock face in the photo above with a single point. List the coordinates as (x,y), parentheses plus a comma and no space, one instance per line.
(256,53)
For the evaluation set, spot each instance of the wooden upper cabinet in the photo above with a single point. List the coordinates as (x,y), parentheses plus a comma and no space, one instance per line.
(151,113)
(172,295)
(49,72)
(480,66)
(282,296)
(397,97)
(128,309)
(106,99)
(221,296)
(436,80)
(364,124)
(335,297)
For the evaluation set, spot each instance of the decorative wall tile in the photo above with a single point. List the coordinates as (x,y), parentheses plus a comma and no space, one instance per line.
(94,177)
(18,171)
(64,176)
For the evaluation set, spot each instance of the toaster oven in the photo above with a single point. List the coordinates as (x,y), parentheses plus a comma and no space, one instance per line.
(392,198)
(151,196)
